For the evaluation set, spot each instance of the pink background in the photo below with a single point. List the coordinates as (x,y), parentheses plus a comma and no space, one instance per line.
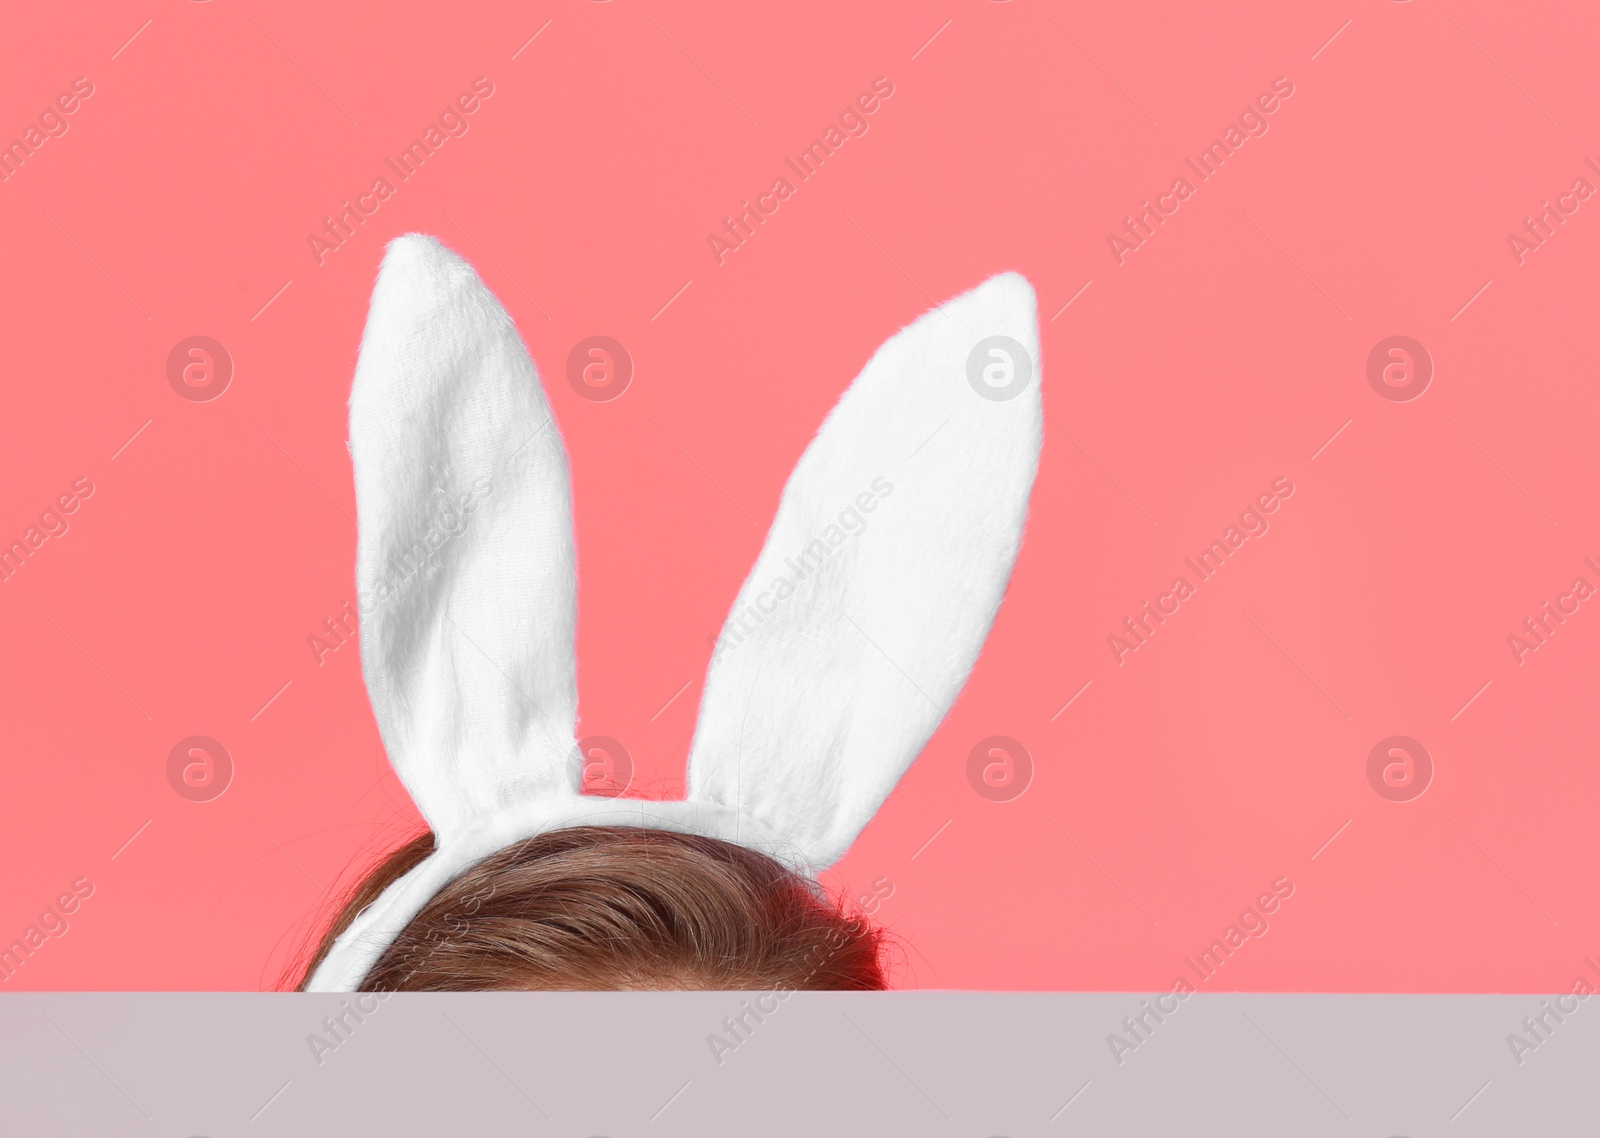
(1225,353)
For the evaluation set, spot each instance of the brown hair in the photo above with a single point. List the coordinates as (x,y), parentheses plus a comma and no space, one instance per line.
(595,907)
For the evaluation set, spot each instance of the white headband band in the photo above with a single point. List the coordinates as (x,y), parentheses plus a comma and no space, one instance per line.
(820,694)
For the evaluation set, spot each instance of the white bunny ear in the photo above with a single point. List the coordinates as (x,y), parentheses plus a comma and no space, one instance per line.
(464,560)
(465,578)
(881,576)
(464,564)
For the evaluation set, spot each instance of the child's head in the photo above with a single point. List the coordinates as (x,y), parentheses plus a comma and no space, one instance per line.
(595,908)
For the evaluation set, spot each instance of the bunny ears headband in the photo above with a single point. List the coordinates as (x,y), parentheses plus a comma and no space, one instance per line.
(845,648)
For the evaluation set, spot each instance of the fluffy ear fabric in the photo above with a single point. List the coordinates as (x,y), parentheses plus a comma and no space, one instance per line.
(464,559)
(881,576)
